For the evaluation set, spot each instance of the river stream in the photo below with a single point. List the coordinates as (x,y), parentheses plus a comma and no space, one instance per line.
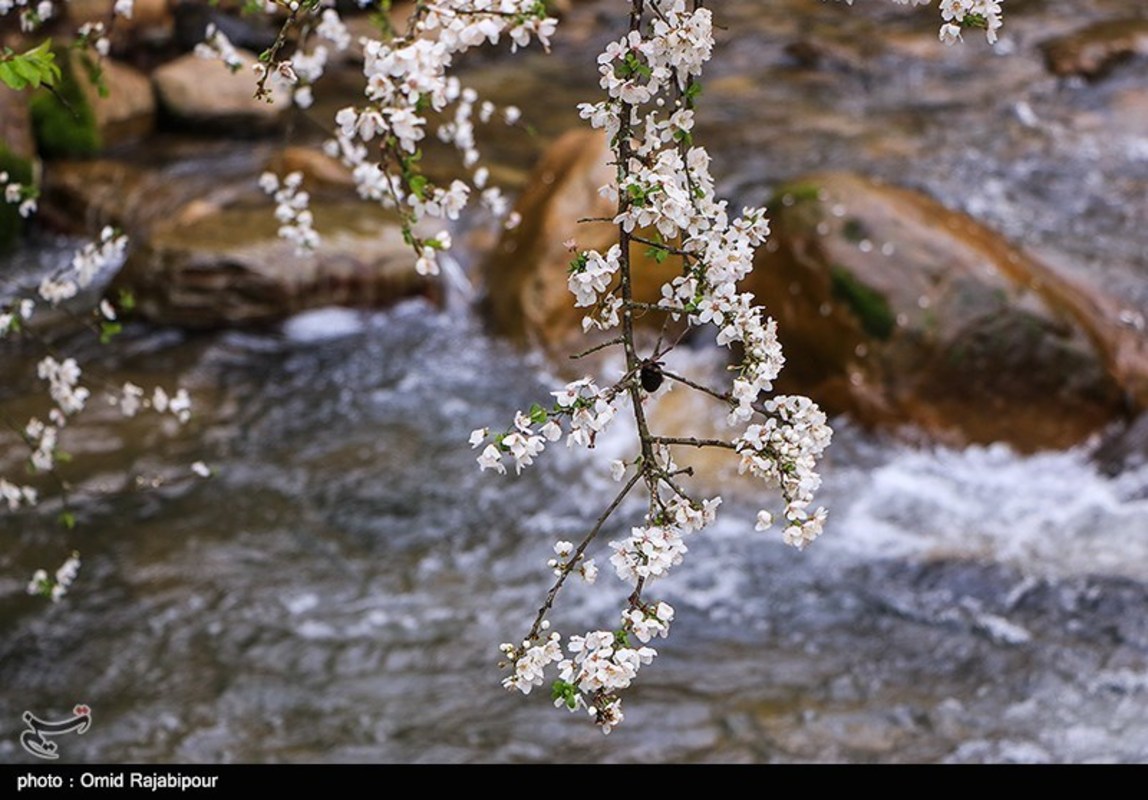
(336,592)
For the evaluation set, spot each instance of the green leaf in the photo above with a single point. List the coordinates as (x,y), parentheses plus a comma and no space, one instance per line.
(26,69)
(108,330)
(566,692)
(126,301)
(10,77)
(68,519)
(658,254)
(538,414)
(418,184)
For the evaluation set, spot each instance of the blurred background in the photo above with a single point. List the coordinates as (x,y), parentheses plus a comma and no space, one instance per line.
(959,268)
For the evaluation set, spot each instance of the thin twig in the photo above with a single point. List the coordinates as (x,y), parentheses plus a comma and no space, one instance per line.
(536,628)
(691,441)
(597,347)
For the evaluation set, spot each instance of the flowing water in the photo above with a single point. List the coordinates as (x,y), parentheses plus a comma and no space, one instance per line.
(337,591)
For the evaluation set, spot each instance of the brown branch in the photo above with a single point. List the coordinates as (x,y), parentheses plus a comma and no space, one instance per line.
(576,557)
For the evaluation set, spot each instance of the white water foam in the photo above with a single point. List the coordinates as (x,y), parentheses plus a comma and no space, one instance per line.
(1049,515)
(324,323)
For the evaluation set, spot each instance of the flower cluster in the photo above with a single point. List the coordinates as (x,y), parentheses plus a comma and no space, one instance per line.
(55,586)
(784,451)
(217,47)
(959,14)
(291,210)
(581,405)
(666,201)
(530,664)
(16,496)
(19,195)
(602,664)
(570,558)
(408,91)
(91,261)
(132,399)
(31,16)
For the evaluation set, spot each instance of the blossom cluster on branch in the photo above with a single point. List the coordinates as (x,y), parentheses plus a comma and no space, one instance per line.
(666,202)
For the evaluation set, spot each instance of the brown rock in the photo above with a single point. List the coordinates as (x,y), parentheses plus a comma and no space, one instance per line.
(320,170)
(205,94)
(901,312)
(525,275)
(205,251)
(126,111)
(228,266)
(1093,50)
(16,124)
(85,195)
(145,13)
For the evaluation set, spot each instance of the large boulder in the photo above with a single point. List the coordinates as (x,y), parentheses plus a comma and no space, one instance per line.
(900,311)
(217,267)
(16,137)
(17,156)
(525,275)
(1095,49)
(204,246)
(125,110)
(204,94)
(95,106)
(149,26)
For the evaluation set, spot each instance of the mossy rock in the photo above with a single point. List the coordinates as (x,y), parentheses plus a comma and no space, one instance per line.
(64,121)
(900,312)
(11,223)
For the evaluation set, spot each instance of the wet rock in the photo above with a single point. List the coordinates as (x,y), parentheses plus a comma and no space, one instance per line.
(205,94)
(899,311)
(227,266)
(151,24)
(81,120)
(1095,49)
(528,298)
(1124,448)
(17,156)
(81,196)
(251,32)
(320,170)
(16,125)
(126,111)
(204,246)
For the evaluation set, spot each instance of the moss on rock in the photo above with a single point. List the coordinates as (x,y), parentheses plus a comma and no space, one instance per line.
(64,121)
(870,306)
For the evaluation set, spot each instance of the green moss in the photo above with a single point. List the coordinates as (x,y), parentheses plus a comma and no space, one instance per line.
(869,305)
(64,122)
(854,230)
(794,193)
(19,170)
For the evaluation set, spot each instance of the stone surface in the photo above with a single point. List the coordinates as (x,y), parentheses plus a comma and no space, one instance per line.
(201,93)
(221,267)
(525,275)
(204,246)
(16,124)
(1094,49)
(127,111)
(899,311)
